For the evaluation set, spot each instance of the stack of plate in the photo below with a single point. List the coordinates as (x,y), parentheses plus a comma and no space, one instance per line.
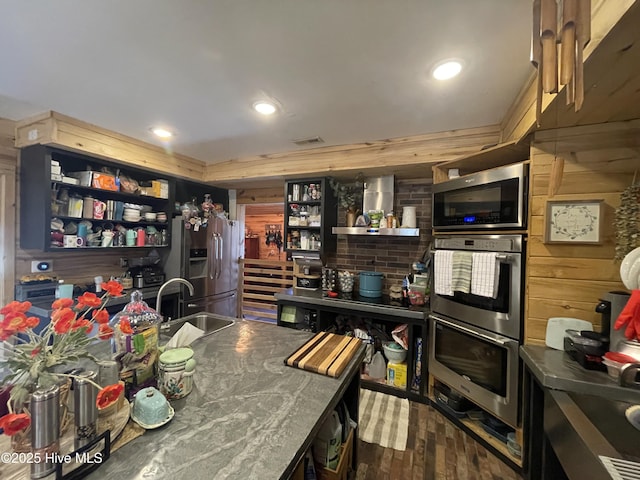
(131,215)
(630,270)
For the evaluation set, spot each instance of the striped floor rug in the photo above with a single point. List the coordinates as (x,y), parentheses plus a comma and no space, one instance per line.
(384,419)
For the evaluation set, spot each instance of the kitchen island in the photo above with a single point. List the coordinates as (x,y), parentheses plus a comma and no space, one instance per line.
(248,417)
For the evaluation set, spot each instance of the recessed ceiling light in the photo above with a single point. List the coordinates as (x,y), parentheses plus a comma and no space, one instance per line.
(265,108)
(161,132)
(447,70)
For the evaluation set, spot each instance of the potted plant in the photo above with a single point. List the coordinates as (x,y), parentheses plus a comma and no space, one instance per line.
(349,196)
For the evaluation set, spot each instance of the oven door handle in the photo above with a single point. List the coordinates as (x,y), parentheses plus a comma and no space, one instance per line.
(469,331)
(504,258)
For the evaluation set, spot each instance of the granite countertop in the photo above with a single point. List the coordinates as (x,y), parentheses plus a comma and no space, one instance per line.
(248,417)
(555,369)
(315,297)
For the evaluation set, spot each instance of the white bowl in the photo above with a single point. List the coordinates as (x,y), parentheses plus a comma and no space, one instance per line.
(150,216)
(394,355)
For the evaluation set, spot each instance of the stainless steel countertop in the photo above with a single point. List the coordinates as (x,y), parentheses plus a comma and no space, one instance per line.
(555,369)
(315,297)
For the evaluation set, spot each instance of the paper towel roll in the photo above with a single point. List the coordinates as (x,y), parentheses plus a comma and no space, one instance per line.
(408,217)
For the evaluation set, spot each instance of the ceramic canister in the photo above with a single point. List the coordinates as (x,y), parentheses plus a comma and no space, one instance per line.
(176,369)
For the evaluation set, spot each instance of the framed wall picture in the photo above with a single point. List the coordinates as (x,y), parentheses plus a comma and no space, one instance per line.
(576,221)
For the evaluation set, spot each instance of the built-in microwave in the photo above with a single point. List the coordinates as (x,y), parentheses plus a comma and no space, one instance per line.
(491,199)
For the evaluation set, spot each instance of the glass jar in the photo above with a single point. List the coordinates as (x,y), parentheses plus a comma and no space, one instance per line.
(134,344)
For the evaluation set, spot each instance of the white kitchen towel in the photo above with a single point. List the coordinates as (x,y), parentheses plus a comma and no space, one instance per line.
(443,272)
(461,272)
(485,274)
(384,419)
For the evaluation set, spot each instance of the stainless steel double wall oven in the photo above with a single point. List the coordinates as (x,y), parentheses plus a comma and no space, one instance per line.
(473,339)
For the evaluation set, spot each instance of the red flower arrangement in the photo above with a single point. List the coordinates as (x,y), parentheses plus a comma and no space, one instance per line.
(32,358)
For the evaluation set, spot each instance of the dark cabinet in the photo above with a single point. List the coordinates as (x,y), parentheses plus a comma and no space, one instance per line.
(187,191)
(310,213)
(63,193)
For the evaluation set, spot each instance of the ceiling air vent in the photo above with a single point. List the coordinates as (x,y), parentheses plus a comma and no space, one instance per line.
(308,141)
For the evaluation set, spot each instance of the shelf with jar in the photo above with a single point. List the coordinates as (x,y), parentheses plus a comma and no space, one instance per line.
(67,194)
(310,212)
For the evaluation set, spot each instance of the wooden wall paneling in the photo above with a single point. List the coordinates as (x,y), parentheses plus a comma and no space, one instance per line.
(256,196)
(384,156)
(569,279)
(8,196)
(256,217)
(60,130)
(520,118)
(609,83)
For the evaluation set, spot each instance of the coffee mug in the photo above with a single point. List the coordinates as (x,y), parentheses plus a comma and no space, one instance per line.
(131,237)
(70,241)
(107,238)
(98,209)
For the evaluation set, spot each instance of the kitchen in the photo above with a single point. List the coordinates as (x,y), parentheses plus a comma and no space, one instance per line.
(547,296)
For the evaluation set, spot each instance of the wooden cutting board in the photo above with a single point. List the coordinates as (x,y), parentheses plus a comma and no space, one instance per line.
(326,353)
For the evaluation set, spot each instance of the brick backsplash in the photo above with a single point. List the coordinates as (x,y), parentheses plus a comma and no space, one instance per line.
(392,256)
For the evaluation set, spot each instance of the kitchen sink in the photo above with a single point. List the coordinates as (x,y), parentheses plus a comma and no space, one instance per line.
(209,322)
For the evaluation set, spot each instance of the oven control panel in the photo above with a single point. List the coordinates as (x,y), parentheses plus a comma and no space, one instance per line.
(497,243)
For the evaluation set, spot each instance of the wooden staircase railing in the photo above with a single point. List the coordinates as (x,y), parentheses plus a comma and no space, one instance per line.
(261,279)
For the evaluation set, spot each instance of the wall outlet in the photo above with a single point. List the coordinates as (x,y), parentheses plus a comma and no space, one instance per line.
(124,262)
(39,266)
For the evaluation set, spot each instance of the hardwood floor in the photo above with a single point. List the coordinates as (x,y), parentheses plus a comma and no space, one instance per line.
(436,450)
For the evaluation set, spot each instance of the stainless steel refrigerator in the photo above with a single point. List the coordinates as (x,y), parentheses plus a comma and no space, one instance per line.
(208,258)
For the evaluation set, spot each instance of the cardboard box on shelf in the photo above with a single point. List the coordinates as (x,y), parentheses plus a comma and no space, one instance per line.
(104,181)
(397,374)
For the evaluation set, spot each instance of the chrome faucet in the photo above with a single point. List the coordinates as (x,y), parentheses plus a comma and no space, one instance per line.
(169,282)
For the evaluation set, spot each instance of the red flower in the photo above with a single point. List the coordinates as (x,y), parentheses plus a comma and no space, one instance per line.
(62,303)
(88,299)
(113,288)
(33,322)
(125,327)
(12,423)
(100,316)
(82,323)
(14,321)
(15,307)
(105,332)
(62,320)
(108,395)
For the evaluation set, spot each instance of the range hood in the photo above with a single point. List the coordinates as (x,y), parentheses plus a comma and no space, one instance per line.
(378,195)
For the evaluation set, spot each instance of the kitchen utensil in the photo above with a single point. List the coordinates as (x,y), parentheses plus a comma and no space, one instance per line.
(557,327)
(330,359)
(371,284)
